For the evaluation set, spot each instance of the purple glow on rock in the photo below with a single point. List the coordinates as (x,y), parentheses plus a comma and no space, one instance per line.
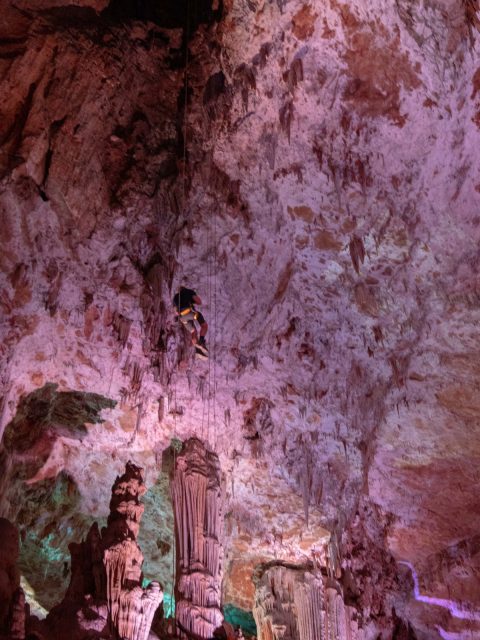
(449,635)
(456,609)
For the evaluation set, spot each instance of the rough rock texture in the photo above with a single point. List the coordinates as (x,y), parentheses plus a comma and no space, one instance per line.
(130,607)
(45,421)
(12,597)
(198,507)
(298,602)
(18,616)
(105,592)
(311,169)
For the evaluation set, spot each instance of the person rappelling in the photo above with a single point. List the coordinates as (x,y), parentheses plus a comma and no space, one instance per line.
(184,302)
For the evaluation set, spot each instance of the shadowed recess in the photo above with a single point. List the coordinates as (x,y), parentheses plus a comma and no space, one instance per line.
(156,535)
(45,534)
(46,407)
(171,14)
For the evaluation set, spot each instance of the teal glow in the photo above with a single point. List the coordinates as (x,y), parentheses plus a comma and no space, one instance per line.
(168,605)
(49,518)
(45,549)
(157,547)
(240,618)
(176,444)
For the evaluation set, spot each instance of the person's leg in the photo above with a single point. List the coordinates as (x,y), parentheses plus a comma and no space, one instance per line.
(203,326)
(193,333)
(188,322)
(203,330)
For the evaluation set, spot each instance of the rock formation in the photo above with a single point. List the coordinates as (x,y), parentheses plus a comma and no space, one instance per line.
(198,507)
(12,597)
(130,607)
(107,577)
(311,169)
(299,603)
(18,616)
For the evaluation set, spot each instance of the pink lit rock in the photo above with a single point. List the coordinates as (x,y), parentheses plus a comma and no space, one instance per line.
(314,175)
(296,602)
(18,615)
(107,577)
(198,506)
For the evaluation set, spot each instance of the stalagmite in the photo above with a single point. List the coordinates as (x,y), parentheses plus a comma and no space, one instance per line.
(131,608)
(197,500)
(296,603)
(108,566)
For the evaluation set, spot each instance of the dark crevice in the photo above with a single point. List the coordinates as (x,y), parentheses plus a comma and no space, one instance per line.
(54,129)
(43,195)
(13,135)
(12,53)
(14,132)
(170,14)
(69,411)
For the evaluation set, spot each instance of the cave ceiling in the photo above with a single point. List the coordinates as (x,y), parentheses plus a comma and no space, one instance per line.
(311,170)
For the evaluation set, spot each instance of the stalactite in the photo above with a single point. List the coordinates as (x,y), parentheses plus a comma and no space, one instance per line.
(294,603)
(121,326)
(197,500)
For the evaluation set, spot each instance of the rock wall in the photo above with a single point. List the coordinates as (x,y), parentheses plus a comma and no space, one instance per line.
(89,109)
(198,506)
(310,168)
(13,611)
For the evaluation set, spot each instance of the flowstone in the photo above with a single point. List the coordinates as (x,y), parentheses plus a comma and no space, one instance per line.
(299,603)
(197,501)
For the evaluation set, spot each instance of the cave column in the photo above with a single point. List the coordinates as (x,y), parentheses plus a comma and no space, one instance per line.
(299,603)
(197,501)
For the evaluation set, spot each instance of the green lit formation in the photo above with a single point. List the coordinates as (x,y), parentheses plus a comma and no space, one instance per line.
(168,605)
(240,618)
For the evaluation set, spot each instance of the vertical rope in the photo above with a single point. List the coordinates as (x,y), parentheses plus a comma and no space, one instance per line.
(209,290)
(184,197)
(215,326)
(203,413)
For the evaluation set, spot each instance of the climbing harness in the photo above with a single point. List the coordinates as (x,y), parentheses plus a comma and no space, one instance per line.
(185,312)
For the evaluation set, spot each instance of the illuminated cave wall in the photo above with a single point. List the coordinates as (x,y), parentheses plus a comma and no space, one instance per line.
(313,176)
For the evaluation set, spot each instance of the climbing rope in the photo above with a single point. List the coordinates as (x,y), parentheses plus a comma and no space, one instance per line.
(215,328)
(209,385)
(184,192)
(209,245)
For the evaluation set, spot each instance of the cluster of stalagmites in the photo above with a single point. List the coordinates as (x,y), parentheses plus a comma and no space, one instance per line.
(197,499)
(105,594)
(294,603)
